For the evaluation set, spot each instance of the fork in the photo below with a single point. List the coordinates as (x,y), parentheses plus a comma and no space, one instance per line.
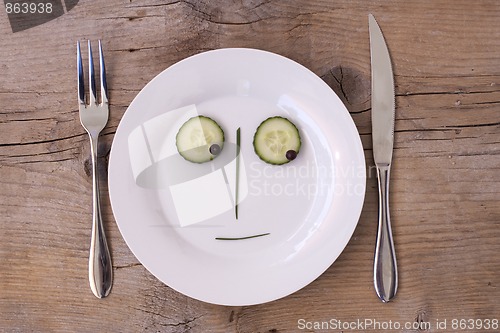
(94,117)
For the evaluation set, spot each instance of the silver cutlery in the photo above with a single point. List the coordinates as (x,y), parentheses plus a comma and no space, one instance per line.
(94,116)
(385,272)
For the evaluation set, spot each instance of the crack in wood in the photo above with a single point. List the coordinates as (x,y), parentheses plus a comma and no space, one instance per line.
(135,264)
(27,120)
(196,9)
(155,5)
(236,23)
(299,25)
(444,128)
(340,83)
(360,111)
(263,3)
(447,76)
(456,92)
(484,103)
(152,313)
(135,49)
(51,156)
(47,161)
(185,323)
(38,93)
(129,18)
(486,153)
(473,125)
(39,154)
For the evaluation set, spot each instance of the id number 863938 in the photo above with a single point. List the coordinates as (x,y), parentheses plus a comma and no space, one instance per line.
(28,8)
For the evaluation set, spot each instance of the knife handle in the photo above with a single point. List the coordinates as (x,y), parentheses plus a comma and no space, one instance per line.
(385,272)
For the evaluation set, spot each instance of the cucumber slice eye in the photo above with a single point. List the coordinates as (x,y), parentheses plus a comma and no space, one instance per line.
(197,138)
(201,139)
(277,140)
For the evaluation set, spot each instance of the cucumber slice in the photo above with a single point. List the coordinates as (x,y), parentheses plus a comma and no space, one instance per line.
(275,137)
(197,139)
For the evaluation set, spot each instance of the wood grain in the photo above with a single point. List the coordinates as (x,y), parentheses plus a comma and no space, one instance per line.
(445,181)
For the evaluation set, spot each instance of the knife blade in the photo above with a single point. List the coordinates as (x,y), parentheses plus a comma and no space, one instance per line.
(385,273)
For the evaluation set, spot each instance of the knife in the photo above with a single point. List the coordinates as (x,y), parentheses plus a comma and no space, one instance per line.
(385,272)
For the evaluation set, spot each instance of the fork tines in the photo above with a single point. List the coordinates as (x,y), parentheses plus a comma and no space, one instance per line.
(92,88)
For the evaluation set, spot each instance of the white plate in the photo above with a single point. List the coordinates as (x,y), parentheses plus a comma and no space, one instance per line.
(309,207)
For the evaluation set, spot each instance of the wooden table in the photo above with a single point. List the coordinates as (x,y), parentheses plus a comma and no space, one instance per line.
(446,180)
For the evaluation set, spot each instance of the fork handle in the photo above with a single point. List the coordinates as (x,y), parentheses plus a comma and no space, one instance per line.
(100,267)
(385,272)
